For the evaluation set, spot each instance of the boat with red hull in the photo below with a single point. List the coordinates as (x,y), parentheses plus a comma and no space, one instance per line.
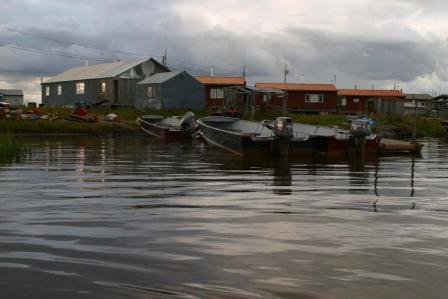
(337,142)
(173,128)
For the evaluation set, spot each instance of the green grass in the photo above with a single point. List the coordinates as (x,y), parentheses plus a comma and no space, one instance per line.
(10,148)
(403,125)
(426,127)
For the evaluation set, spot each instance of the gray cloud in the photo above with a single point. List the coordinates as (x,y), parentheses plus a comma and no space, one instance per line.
(387,52)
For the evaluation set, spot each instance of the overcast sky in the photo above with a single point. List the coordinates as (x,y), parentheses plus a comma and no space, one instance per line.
(370,42)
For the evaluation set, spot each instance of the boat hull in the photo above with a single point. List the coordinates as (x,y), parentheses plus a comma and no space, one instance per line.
(236,143)
(247,142)
(163,132)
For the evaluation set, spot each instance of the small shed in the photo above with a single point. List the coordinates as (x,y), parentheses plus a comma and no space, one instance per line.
(251,98)
(11,96)
(170,90)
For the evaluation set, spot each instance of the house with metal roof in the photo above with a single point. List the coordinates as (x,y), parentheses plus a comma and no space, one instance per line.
(366,101)
(307,97)
(214,88)
(418,104)
(11,96)
(170,90)
(113,82)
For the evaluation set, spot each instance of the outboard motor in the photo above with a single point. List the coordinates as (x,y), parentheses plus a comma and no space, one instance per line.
(283,131)
(188,121)
(359,130)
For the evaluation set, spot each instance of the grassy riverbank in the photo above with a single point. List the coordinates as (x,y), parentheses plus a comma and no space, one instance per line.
(10,148)
(395,126)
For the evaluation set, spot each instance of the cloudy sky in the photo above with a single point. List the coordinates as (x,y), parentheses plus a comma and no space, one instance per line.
(363,42)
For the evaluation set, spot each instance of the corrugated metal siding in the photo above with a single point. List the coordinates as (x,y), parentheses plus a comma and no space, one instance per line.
(181,92)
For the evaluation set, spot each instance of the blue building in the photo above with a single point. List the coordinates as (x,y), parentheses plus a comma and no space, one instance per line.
(170,90)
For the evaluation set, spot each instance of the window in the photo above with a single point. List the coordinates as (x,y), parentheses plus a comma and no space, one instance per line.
(151,92)
(103,87)
(356,100)
(47,91)
(80,88)
(59,89)
(343,101)
(216,93)
(314,98)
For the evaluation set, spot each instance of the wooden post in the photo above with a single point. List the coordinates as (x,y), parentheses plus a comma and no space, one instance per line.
(414,130)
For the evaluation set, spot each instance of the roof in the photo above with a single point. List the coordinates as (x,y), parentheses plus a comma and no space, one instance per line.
(370,93)
(11,92)
(418,96)
(255,90)
(97,71)
(218,80)
(159,78)
(298,86)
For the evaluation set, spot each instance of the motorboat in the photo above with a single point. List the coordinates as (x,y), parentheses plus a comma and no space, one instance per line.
(170,128)
(244,138)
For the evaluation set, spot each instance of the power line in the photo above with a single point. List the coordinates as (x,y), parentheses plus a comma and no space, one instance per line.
(73,43)
(57,53)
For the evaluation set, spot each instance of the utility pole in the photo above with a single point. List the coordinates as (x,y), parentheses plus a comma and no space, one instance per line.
(414,130)
(285,73)
(164,62)
(212,71)
(244,71)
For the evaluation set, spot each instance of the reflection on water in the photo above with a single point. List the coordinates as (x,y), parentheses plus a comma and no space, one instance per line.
(131,217)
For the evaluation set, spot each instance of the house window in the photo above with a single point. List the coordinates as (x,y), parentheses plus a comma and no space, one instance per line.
(356,100)
(314,98)
(47,91)
(343,101)
(59,89)
(216,93)
(103,87)
(151,92)
(80,88)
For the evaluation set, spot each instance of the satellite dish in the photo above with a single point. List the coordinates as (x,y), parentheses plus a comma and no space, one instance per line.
(148,68)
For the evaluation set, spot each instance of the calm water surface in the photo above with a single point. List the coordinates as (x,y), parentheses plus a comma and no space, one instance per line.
(130,217)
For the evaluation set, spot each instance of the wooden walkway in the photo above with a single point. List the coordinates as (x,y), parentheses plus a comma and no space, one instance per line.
(397,146)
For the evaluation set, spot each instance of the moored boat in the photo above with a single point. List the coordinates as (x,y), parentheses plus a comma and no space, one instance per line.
(338,142)
(245,138)
(168,128)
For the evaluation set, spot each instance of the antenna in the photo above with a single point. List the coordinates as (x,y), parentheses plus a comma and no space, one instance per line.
(212,71)
(244,71)
(285,72)
(164,59)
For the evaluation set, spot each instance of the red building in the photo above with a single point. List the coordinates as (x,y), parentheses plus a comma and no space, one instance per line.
(367,101)
(307,97)
(214,93)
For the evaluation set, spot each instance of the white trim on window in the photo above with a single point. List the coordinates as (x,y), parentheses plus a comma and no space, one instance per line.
(59,89)
(80,88)
(103,87)
(216,93)
(314,98)
(47,90)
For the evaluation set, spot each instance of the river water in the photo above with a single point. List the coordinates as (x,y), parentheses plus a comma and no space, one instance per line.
(131,217)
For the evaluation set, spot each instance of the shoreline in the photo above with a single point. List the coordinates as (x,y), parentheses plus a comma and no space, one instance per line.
(390,126)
